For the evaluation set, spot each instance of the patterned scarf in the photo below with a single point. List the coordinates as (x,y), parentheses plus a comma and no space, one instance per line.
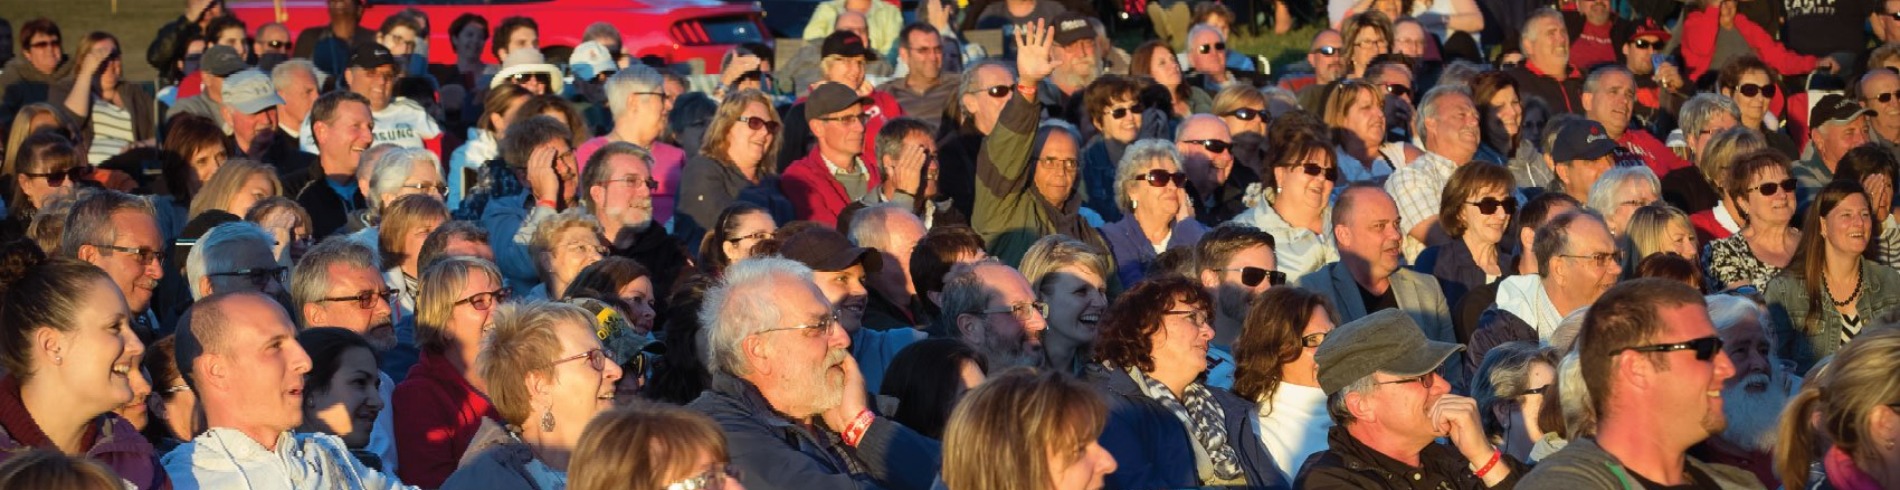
(1205,420)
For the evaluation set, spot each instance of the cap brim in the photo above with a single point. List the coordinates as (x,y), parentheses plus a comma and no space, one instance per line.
(1596,149)
(555,80)
(869,258)
(259,104)
(1856,114)
(1418,362)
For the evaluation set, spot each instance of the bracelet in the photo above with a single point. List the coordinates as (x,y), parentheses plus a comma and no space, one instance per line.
(547,203)
(854,432)
(1495,456)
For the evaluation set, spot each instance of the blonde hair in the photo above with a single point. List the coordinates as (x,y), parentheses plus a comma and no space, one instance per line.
(1054,252)
(1239,96)
(1648,229)
(1840,403)
(23,127)
(644,446)
(546,233)
(402,217)
(228,181)
(1001,435)
(1339,103)
(730,110)
(1722,150)
(523,343)
(441,286)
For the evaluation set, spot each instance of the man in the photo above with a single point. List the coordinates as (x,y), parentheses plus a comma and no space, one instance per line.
(1367,278)
(1609,97)
(512,34)
(1448,124)
(1207,57)
(119,233)
(807,67)
(340,284)
(925,89)
(343,128)
(342,36)
(982,92)
(1838,124)
(1217,187)
(218,62)
(297,85)
(236,257)
(1703,117)
(1597,34)
(240,357)
(842,272)
(991,307)
(272,39)
(907,159)
(780,369)
(1660,88)
(937,253)
(1880,94)
(249,109)
(1582,152)
(844,60)
(1235,264)
(455,239)
(893,232)
(831,176)
(1753,399)
(637,99)
(1394,75)
(1654,368)
(1531,216)
(1546,72)
(168,47)
(1577,260)
(1079,62)
(617,188)
(1328,60)
(399,121)
(535,178)
(1390,405)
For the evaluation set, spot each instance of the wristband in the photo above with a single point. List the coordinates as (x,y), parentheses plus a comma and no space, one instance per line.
(1495,456)
(547,203)
(1028,91)
(854,432)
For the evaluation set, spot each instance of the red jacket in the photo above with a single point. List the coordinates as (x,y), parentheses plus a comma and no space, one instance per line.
(1654,152)
(436,414)
(816,195)
(1698,44)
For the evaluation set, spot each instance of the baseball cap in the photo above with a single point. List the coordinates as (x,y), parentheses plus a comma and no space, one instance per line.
(614,330)
(589,60)
(846,43)
(222,61)
(1581,140)
(250,91)
(1835,108)
(1071,28)
(826,250)
(1649,28)
(1386,341)
(831,97)
(368,56)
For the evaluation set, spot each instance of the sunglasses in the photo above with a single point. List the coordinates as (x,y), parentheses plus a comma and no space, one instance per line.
(756,123)
(484,301)
(1215,146)
(1161,178)
(1770,188)
(1209,48)
(1252,276)
(1312,341)
(277,44)
(259,277)
(1244,113)
(999,91)
(596,358)
(1397,90)
(1316,170)
(364,300)
(1489,206)
(521,78)
(56,179)
(1705,348)
(1646,44)
(1886,97)
(1121,112)
(53,44)
(1327,51)
(1751,90)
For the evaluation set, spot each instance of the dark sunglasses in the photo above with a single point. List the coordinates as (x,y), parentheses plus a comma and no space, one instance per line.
(1705,348)
(1886,97)
(999,91)
(521,78)
(1121,112)
(1751,90)
(277,44)
(54,44)
(1252,276)
(1489,206)
(1161,178)
(1327,50)
(1209,48)
(1244,113)
(1770,188)
(1645,44)
(1316,170)
(756,123)
(1216,146)
(56,179)
(364,300)
(1397,90)
(484,301)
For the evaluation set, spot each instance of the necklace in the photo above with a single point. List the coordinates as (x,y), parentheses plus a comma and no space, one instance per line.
(1851,297)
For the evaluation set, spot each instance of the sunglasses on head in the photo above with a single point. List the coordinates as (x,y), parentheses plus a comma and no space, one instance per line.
(1121,112)
(1327,50)
(756,123)
(1317,170)
(1252,276)
(1751,90)
(1215,146)
(1209,48)
(1770,188)
(1645,44)
(1489,206)
(1705,348)
(58,178)
(1244,113)
(521,78)
(999,91)
(1161,178)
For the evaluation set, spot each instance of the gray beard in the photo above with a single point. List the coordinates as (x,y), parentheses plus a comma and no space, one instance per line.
(1753,417)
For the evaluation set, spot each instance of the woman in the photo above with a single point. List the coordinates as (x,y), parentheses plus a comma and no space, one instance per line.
(624,347)
(1151,354)
(111,115)
(499,107)
(1070,277)
(680,375)
(69,356)
(1830,265)
(1243,108)
(1114,108)
(1157,216)
(1298,213)
(1620,191)
(46,166)
(1752,84)
(561,110)
(468,37)
(732,166)
(1356,111)
(1509,387)
(1657,228)
(928,378)
(1762,188)
(1475,211)
(406,223)
(438,408)
(1875,167)
(1156,62)
(341,396)
(235,188)
(50,470)
(1025,430)
(626,280)
(1275,370)
(175,408)
(1668,265)
(1852,404)
(1501,133)
(1722,150)
(288,223)
(1367,34)
(561,247)
(548,376)
(33,118)
(194,149)
(652,446)
(403,172)
(740,226)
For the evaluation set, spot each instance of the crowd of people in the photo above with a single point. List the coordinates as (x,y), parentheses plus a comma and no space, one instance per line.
(1460,245)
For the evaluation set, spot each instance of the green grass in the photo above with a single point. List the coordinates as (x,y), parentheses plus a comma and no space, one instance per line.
(135,24)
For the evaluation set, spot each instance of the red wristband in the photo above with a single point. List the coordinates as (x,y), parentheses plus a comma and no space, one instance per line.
(547,203)
(1495,456)
(854,432)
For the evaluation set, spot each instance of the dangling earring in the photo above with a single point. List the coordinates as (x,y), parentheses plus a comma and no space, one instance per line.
(1133,204)
(547,421)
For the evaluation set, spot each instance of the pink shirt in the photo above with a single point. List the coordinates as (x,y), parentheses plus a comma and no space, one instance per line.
(667,160)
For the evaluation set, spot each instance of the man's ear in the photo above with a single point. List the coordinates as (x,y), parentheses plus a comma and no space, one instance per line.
(313,315)
(203,286)
(1209,278)
(752,347)
(88,253)
(1587,97)
(1360,407)
(970,327)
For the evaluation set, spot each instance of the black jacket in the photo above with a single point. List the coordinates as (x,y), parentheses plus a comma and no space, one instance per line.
(1565,97)
(168,48)
(956,167)
(665,260)
(776,453)
(1226,201)
(1347,463)
(329,212)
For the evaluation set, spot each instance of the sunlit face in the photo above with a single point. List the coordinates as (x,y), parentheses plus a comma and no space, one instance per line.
(1680,240)
(1183,338)
(467,322)
(1207,52)
(1692,389)
(1610,105)
(1076,296)
(1365,117)
(1753,106)
(1453,130)
(346,404)
(43,51)
(1164,68)
(1368,43)
(746,146)
(263,368)
(375,322)
(925,54)
(805,365)
(1548,42)
(751,229)
(1327,67)
(1297,185)
(1834,139)
(400,40)
(1056,167)
(1846,227)
(848,70)
(1640,56)
(1717,122)
(1318,324)
(1408,39)
(42,180)
(1372,235)
(845,290)
(639,295)
(273,39)
(1596,11)
(840,131)
(1878,85)
(1772,211)
(985,107)
(624,196)
(1479,226)
(1122,128)
(1165,201)
(136,273)
(1081,468)
(1012,331)
(1747,346)
(94,362)
(234,37)
(577,390)
(1879,195)
(348,135)
(574,249)
(377,84)
(1581,268)
(1509,109)
(1633,194)
(205,162)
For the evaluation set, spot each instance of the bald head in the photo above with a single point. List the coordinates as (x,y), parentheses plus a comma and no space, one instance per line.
(853,22)
(213,317)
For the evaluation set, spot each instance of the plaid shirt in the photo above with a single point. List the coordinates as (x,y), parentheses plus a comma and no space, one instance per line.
(1417,188)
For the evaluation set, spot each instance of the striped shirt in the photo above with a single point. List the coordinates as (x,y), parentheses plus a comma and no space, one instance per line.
(111,131)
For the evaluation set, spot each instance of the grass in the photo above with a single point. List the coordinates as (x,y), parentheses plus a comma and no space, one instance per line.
(135,24)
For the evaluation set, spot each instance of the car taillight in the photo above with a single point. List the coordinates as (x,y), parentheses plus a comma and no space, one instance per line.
(731,29)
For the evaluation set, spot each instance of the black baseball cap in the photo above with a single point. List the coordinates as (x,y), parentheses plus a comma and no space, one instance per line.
(1581,140)
(1835,108)
(826,250)
(846,43)
(368,56)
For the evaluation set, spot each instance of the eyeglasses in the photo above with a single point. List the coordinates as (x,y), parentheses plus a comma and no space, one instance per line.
(1536,391)
(521,78)
(1055,163)
(1770,188)
(259,277)
(712,479)
(1489,206)
(756,123)
(1312,341)
(650,183)
(755,236)
(857,118)
(596,358)
(53,44)
(436,187)
(1397,90)
(1121,112)
(1751,90)
(1645,44)
(1599,258)
(1327,50)
(1196,317)
(1023,310)
(1215,146)
(1705,348)
(1251,276)
(1161,178)
(1886,97)
(1209,48)
(364,300)
(145,255)
(999,91)
(1317,170)
(58,178)
(814,329)
(484,301)
(1244,113)
(661,95)
(1424,380)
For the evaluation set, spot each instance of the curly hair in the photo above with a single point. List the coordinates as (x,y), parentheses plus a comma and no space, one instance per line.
(1270,338)
(1123,339)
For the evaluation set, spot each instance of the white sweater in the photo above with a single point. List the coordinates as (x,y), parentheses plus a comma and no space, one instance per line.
(1296,428)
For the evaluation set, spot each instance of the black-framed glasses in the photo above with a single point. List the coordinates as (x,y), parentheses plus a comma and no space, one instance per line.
(712,479)
(756,123)
(436,187)
(260,277)
(521,78)
(1023,310)
(1161,178)
(1770,188)
(998,91)
(1213,146)
(650,183)
(1327,51)
(1490,205)
(1599,258)
(145,255)
(1705,348)
(1244,113)
(1312,340)
(661,95)
(858,118)
(1252,276)
(1886,97)
(1646,44)
(596,359)
(484,301)
(1121,112)
(1056,163)
(1316,170)
(1426,380)
(755,236)
(1209,48)
(58,177)
(365,300)
(816,328)
(1751,90)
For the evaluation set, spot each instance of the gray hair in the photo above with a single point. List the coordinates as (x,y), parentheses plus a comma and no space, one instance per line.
(212,254)
(1607,192)
(601,30)
(286,72)
(964,292)
(1697,111)
(1573,395)
(596,173)
(389,171)
(1565,335)
(1728,310)
(737,307)
(1280,100)
(310,281)
(1458,72)
(1203,27)
(366,165)
(890,138)
(1595,80)
(964,83)
(1336,402)
(1134,160)
(1503,377)
(1428,106)
(1553,237)
(1546,13)
(870,227)
(1181,129)
(634,79)
(90,222)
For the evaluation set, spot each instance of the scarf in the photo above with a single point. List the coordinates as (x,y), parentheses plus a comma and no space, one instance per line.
(1843,474)
(1204,417)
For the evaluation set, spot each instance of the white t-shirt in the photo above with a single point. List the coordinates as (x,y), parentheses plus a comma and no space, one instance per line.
(403,123)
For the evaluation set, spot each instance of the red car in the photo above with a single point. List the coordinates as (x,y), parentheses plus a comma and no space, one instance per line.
(674,30)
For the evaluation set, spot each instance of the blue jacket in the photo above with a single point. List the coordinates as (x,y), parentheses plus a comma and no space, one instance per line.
(775,453)
(1152,448)
(1132,251)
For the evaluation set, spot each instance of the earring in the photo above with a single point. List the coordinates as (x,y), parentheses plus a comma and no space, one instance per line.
(1133,204)
(547,421)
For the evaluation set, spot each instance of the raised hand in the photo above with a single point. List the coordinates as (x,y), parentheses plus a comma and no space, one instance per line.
(543,178)
(907,171)
(1456,418)
(1034,59)
(739,66)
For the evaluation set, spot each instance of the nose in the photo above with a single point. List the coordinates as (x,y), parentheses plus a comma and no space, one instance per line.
(299,359)
(837,338)
(1724,368)
(1107,462)
(613,372)
(154,269)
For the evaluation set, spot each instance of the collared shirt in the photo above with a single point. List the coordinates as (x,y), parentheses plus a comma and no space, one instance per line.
(927,104)
(1353,170)
(1417,188)
(1296,250)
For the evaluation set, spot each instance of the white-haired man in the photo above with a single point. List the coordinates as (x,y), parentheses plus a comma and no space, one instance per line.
(1753,399)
